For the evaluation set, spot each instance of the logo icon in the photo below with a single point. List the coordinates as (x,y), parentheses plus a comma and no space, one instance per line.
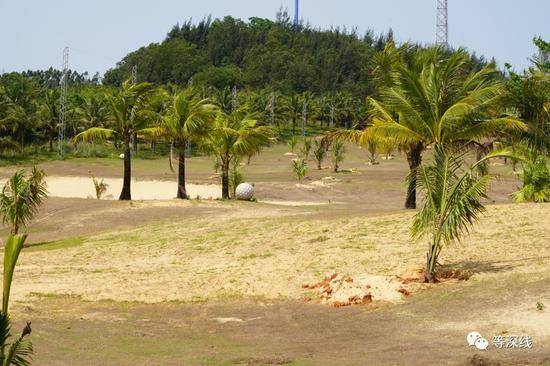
(475,339)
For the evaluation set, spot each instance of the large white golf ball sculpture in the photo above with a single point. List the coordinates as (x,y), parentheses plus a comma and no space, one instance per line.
(244,191)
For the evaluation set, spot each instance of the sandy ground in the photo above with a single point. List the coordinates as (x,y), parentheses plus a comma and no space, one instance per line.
(83,187)
(246,264)
(125,283)
(260,252)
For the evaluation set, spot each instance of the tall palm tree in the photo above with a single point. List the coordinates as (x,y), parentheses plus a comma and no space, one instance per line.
(293,107)
(187,119)
(235,135)
(451,204)
(436,99)
(50,114)
(128,114)
(93,110)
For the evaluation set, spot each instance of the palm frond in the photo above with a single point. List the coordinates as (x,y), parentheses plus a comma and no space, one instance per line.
(94,134)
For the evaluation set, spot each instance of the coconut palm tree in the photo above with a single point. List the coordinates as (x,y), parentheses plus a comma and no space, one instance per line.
(436,99)
(128,115)
(451,204)
(188,118)
(19,351)
(93,110)
(20,199)
(234,135)
(293,107)
(49,113)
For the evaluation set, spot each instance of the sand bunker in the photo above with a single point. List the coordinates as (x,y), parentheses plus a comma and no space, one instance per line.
(344,290)
(83,187)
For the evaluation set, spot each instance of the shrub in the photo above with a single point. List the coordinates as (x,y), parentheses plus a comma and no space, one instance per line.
(292,142)
(338,153)
(100,187)
(299,168)
(306,148)
(536,182)
(319,152)
(236,176)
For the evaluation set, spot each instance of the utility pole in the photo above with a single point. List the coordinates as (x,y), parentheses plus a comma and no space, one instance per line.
(272,109)
(63,100)
(304,118)
(442,24)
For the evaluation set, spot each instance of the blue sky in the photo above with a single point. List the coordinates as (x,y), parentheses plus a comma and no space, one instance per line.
(100,32)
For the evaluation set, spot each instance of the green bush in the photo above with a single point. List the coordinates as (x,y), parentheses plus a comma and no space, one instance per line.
(536,182)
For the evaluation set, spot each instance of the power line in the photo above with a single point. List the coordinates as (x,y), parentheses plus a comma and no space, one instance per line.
(442,24)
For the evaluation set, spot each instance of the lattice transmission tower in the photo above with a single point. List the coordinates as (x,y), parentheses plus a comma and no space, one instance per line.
(442,31)
(296,14)
(63,100)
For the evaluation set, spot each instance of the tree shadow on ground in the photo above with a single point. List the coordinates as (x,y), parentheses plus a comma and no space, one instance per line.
(493,266)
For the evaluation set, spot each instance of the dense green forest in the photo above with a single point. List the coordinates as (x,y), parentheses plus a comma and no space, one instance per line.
(260,54)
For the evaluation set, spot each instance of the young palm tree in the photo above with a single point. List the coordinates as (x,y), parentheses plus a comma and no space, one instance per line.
(20,198)
(19,201)
(451,204)
(187,119)
(435,99)
(536,182)
(234,135)
(129,114)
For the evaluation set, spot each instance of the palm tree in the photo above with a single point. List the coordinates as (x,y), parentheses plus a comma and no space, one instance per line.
(436,100)
(93,109)
(187,119)
(451,204)
(20,198)
(293,110)
(19,352)
(19,201)
(129,114)
(234,135)
(49,114)
(536,182)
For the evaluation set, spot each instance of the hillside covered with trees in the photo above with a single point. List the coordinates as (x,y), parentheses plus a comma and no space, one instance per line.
(259,54)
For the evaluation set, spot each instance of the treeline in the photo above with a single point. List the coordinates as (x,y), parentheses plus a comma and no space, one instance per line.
(260,54)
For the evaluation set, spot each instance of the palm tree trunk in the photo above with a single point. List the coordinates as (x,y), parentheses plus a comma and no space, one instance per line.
(414,157)
(431,262)
(182,192)
(126,195)
(225,180)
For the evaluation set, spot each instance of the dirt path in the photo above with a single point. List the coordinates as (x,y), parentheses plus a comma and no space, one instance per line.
(428,329)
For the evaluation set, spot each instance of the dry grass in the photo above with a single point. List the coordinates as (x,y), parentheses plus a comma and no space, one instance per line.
(257,253)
